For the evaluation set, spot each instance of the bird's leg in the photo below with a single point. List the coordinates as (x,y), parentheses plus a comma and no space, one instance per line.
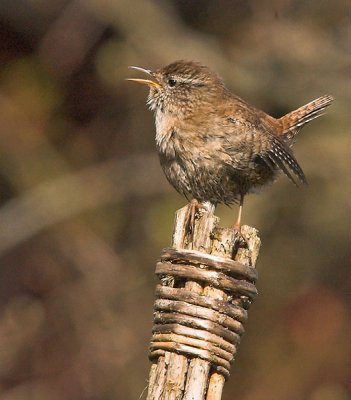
(237,226)
(194,207)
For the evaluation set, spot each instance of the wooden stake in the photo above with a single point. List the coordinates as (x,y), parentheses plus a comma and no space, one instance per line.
(178,375)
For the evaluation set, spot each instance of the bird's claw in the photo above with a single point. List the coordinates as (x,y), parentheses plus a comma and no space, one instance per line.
(240,240)
(194,209)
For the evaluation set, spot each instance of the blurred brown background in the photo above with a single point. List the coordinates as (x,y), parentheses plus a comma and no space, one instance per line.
(85,209)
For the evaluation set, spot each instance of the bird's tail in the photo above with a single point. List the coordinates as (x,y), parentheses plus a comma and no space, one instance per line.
(291,123)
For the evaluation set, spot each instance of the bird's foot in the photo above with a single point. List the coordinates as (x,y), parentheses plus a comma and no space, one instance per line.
(240,240)
(194,209)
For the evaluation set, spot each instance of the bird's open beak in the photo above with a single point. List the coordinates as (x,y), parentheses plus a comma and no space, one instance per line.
(145,81)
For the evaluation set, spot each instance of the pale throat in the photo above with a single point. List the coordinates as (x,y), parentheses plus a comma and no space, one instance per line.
(165,124)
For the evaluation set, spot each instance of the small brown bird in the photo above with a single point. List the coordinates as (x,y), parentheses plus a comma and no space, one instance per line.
(213,146)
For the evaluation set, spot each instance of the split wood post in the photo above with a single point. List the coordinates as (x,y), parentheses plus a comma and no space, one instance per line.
(207,286)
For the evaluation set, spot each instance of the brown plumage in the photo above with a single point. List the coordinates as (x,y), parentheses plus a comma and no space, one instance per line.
(213,146)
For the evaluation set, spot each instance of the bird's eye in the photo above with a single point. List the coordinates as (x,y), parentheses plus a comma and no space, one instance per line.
(171,82)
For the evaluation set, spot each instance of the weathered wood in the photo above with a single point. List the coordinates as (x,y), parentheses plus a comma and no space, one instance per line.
(197,311)
(198,323)
(193,314)
(157,379)
(211,260)
(193,298)
(214,278)
(215,387)
(196,334)
(196,383)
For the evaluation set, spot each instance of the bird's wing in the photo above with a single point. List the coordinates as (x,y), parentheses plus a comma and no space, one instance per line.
(253,138)
(278,154)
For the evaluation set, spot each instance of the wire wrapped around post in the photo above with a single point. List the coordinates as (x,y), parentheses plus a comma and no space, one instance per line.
(207,285)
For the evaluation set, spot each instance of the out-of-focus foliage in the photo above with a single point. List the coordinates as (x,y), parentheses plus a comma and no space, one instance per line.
(85,209)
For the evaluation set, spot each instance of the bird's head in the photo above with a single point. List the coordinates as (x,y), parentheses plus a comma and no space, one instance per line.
(181,87)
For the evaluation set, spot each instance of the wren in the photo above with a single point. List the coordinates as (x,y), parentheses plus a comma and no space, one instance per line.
(213,146)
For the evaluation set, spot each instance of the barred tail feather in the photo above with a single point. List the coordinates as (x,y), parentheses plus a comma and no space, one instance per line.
(292,122)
